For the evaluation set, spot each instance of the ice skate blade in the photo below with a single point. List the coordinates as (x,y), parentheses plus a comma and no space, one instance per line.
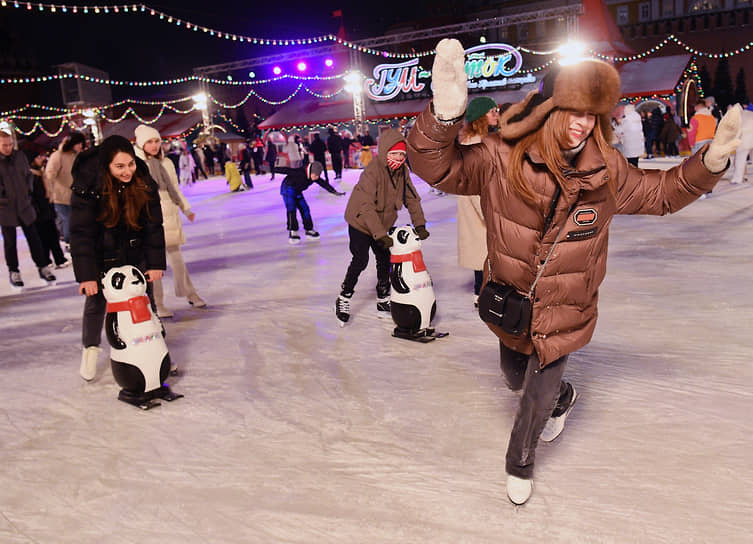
(166,393)
(423,336)
(143,401)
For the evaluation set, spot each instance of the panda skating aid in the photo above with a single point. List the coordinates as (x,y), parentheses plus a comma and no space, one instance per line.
(139,357)
(412,301)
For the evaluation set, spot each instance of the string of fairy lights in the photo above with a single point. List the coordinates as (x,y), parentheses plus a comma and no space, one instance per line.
(64,9)
(162,82)
(67,114)
(141,9)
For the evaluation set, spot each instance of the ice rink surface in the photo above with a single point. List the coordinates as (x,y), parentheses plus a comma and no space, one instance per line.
(294,430)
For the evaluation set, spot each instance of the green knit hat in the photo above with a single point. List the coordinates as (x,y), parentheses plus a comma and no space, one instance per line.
(478,107)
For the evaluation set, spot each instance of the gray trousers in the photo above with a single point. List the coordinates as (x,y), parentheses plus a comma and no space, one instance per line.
(540,391)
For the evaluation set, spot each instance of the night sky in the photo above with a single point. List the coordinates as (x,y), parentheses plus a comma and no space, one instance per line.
(141,47)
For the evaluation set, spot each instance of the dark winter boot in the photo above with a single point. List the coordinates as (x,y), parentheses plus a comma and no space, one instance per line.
(383,308)
(15,279)
(383,300)
(342,308)
(46,274)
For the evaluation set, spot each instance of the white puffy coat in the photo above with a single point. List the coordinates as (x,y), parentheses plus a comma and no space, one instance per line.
(630,133)
(172,201)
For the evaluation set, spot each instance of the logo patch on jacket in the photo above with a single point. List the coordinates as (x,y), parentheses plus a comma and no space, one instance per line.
(585,217)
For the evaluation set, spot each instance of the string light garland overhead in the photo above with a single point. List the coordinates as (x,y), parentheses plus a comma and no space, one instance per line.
(672,38)
(188,25)
(163,82)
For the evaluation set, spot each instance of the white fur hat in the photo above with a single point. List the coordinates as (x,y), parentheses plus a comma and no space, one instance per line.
(144,133)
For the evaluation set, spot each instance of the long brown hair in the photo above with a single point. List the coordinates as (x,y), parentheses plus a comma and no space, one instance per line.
(131,201)
(479,127)
(550,139)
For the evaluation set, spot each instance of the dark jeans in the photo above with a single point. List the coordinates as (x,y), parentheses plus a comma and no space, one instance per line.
(359,247)
(50,238)
(337,164)
(63,212)
(247,177)
(478,280)
(35,247)
(541,389)
(95,309)
(257,164)
(294,201)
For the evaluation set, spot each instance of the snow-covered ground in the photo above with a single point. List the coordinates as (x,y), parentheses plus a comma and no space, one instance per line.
(294,430)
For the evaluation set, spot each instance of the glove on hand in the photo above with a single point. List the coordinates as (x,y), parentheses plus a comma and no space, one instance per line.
(423,234)
(385,241)
(448,79)
(725,140)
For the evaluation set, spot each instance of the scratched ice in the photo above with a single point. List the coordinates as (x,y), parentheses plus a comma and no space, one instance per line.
(293,430)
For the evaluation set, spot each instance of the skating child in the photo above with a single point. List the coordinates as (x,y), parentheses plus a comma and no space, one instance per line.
(296,181)
(383,188)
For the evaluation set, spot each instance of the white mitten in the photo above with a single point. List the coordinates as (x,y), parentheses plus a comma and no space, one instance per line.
(725,140)
(449,82)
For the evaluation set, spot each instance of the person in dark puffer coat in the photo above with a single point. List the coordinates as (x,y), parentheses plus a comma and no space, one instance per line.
(116,220)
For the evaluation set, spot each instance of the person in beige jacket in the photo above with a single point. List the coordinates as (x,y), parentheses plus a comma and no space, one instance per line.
(550,185)
(58,179)
(481,118)
(149,148)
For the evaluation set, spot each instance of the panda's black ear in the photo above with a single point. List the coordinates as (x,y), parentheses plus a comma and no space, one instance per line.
(402,236)
(117,280)
(392,229)
(139,276)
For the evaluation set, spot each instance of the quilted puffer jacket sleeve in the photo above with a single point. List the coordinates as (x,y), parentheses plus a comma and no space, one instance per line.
(439,160)
(659,192)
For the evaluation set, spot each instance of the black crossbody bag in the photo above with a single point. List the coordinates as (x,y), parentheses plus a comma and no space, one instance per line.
(502,305)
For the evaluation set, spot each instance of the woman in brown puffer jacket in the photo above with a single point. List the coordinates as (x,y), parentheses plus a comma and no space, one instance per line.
(550,184)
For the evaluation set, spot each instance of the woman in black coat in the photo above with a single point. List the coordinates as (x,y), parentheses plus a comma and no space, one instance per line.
(116,220)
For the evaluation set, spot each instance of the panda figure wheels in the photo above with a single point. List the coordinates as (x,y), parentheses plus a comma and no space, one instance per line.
(138,353)
(412,301)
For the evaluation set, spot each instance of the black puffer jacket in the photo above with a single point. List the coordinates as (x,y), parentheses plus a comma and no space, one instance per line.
(96,248)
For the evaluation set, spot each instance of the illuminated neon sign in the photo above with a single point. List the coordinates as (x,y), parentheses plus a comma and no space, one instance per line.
(483,71)
(392,79)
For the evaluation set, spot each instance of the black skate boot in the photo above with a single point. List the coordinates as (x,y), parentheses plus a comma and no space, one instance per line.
(383,308)
(383,300)
(46,274)
(295,238)
(15,279)
(312,234)
(342,308)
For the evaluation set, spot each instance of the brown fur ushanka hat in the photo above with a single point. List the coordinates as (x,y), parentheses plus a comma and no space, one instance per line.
(591,85)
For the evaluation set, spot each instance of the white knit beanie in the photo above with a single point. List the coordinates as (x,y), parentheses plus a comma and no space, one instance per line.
(144,133)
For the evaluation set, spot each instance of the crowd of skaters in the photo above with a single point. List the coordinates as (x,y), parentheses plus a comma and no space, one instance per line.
(564,128)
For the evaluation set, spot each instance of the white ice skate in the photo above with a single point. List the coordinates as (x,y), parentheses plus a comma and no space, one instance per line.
(518,489)
(556,424)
